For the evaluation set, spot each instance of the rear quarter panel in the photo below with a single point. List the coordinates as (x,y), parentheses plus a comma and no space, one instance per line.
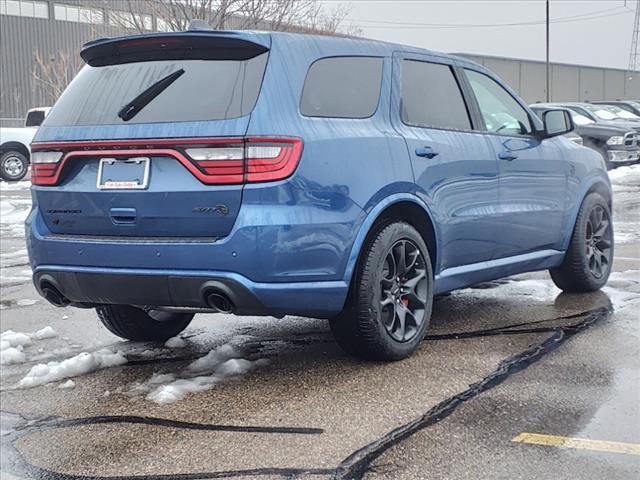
(347,166)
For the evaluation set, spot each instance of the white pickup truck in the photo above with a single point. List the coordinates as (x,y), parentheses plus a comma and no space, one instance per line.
(15,152)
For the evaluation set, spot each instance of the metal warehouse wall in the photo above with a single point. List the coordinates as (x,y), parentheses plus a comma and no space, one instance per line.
(568,82)
(21,37)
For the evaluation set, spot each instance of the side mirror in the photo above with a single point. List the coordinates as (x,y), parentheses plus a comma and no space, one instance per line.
(556,122)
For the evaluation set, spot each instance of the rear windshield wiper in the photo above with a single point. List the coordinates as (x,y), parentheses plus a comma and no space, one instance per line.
(132,108)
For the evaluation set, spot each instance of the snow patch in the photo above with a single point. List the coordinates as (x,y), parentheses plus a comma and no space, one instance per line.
(15,338)
(212,359)
(202,374)
(71,367)
(625,176)
(11,355)
(44,333)
(175,342)
(9,186)
(26,302)
(68,384)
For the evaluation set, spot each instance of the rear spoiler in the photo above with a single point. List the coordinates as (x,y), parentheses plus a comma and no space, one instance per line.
(175,46)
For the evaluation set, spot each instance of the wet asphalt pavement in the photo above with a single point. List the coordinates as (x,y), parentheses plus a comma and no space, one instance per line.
(506,358)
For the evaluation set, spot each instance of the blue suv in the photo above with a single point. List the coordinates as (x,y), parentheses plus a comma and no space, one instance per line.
(282,174)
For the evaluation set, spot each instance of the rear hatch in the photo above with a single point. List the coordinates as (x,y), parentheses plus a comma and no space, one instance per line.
(148,139)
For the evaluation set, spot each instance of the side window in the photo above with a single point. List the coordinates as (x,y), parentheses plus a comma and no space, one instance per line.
(431,97)
(500,111)
(342,87)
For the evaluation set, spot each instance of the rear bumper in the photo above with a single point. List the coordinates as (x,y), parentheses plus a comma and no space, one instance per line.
(294,265)
(99,286)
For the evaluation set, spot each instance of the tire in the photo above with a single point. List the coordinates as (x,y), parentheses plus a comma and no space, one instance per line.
(136,324)
(587,262)
(371,325)
(13,166)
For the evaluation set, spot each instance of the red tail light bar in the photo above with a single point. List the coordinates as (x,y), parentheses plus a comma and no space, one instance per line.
(213,161)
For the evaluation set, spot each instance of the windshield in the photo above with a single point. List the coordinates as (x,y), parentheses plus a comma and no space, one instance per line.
(622,113)
(206,90)
(580,119)
(601,112)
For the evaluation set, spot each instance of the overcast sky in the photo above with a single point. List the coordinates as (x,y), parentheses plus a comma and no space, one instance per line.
(588,32)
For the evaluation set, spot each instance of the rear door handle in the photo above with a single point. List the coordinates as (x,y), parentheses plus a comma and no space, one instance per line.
(427,152)
(507,156)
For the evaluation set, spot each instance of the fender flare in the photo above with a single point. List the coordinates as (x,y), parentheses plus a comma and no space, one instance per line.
(16,146)
(371,218)
(573,213)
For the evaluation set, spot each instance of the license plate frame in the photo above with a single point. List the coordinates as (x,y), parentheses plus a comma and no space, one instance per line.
(125,179)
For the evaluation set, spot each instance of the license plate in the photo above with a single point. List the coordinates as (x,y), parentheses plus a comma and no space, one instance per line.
(129,174)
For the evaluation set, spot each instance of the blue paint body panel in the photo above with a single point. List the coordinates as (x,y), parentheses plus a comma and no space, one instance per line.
(294,244)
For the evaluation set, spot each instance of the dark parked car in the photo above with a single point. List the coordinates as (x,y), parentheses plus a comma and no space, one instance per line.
(276,173)
(628,105)
(599,114)
(617,145)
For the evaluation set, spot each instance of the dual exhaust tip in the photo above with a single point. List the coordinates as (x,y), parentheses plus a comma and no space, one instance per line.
(219,302)
(216,300)
(53,295)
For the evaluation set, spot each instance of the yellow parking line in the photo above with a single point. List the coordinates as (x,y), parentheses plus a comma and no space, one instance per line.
(579,443)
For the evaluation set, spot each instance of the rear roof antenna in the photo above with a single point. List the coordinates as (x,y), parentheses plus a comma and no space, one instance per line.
(197,24)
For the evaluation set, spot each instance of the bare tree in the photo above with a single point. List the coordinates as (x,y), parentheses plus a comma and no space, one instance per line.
(52,75)
(277,15)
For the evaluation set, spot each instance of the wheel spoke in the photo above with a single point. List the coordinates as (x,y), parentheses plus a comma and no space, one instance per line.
(598,264)
(595,218)
(401,313)
(400,258)
(410,286)
(414,256)
(388,300)
(388,272)
(602,228)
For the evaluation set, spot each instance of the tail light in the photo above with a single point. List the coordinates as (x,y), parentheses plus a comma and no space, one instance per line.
(44,167)
(213,161)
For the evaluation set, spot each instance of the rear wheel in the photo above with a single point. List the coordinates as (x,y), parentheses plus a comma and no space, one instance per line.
(134,323)
(13,166)
(389,305)
(587,263)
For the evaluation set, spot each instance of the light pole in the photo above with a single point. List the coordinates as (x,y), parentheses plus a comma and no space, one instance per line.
(548,67)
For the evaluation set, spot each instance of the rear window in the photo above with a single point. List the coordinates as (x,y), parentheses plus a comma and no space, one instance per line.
(342,87)
(431,97)
(34,118)
(208,90)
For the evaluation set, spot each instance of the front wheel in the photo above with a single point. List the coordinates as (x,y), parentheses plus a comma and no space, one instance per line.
(134,323)
(389,305)
(588,260)
(13,166)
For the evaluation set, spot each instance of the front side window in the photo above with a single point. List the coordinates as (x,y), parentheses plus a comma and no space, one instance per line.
(342,87)
(431,97)
(500,111)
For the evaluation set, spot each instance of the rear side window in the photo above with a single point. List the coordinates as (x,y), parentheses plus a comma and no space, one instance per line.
(208,90)
(431,97)
(342,87)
